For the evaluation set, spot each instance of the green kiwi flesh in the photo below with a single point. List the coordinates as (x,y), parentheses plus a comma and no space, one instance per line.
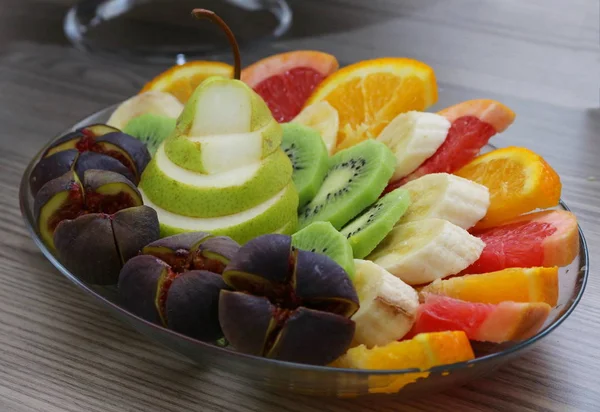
(151,129)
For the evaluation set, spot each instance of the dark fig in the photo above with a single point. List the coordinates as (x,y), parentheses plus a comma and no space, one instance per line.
(73,140)
(86,247)
(134,228)
(98,129)
(215,253)
(138,286)
(99,161)
(109,192)
(289,304)
(50,168)
(171,244)
(120,144)
(192,304)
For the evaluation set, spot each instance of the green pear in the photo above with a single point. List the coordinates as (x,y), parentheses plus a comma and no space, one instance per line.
(224,124)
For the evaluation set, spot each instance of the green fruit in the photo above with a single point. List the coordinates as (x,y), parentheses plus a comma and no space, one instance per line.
(367,230)
(151,129)
(355,179)
(267,217)
(323,238)
(224,122)
(306,149)
(196,195)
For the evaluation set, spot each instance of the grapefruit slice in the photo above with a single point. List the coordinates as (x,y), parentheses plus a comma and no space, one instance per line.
(548,238)
(515,284)
(474,122)
(506,321)
(285,81)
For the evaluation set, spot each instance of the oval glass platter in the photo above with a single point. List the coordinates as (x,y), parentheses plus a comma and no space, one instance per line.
(320,380)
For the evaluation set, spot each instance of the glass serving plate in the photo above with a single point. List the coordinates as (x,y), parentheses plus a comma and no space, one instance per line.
(320,380)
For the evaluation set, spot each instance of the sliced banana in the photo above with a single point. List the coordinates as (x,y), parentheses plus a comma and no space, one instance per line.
(423,251)
(414,137)
(325,119)
(388,306)
(155,102)
(444,196)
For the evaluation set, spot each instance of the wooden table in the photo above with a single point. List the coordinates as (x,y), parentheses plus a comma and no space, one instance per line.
(61,351)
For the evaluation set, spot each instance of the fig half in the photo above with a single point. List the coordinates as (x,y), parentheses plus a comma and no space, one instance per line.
(287,304)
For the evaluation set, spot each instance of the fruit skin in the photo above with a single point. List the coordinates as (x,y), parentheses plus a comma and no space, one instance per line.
(548,238)
(519,181)
(286,301)
(507,321)
(444,196)
(420,252)
(309,158)
(283,211)
(151,102)
(50,168)
(388,306)
(322,237)
(90,160)
(151,129)
(368,229)
(492,112)
(132,146)
(138,283)
(513,284)
(87,245)
(380,168)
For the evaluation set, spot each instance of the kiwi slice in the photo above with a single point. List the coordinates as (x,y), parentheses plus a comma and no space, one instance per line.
(151,129)
(323,238)
(306,149)
(368,229)
(355,179)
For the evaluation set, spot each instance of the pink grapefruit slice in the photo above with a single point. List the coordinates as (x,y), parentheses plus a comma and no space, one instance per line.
(548,238)
(506,321)
(285,81)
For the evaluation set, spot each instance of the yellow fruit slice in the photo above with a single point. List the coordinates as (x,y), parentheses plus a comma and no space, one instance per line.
(181,81)
(324,118)
(519,181)
(536,284)
(370,94)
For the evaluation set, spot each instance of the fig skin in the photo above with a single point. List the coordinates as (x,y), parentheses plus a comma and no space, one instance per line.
(133,147)
(101,182)
(134,228)
(64,183)
(184,241)
(308,336)
(98,129)
(86,247)
(138,285)
(246,320)
(93,160)
(193,304)
(50,168)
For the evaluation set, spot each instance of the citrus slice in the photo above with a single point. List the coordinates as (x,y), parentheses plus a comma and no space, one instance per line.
(536,284)
(181,81)
(286,80)
(519,181)
(370,94)
(322,117)
(549,238)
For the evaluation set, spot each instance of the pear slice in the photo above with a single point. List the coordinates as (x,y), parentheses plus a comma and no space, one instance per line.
(270,216)
(153,102)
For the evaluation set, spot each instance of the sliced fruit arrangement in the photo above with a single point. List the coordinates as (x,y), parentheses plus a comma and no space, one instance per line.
(506,321)
(443,196)
(355,179)
(325,119)
(287,304)
(388,306)
(515,284)
(548,238)
(423,251)
(370,94)
(151,129)
(473,123)
(285,81)
(519,181)
(423,352)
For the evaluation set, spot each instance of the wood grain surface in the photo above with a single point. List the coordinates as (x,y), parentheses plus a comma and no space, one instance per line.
(61,351)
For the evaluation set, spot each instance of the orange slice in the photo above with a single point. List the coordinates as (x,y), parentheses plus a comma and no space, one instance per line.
(370,94)
(519,181)
(181,81)
(515,284)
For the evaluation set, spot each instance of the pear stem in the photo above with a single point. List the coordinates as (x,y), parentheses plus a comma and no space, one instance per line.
(235,48)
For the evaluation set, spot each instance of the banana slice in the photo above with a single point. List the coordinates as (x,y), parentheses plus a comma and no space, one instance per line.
(325,119)
(423,251)
(155,102)
(444,196)
(388,306)
(414,137)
